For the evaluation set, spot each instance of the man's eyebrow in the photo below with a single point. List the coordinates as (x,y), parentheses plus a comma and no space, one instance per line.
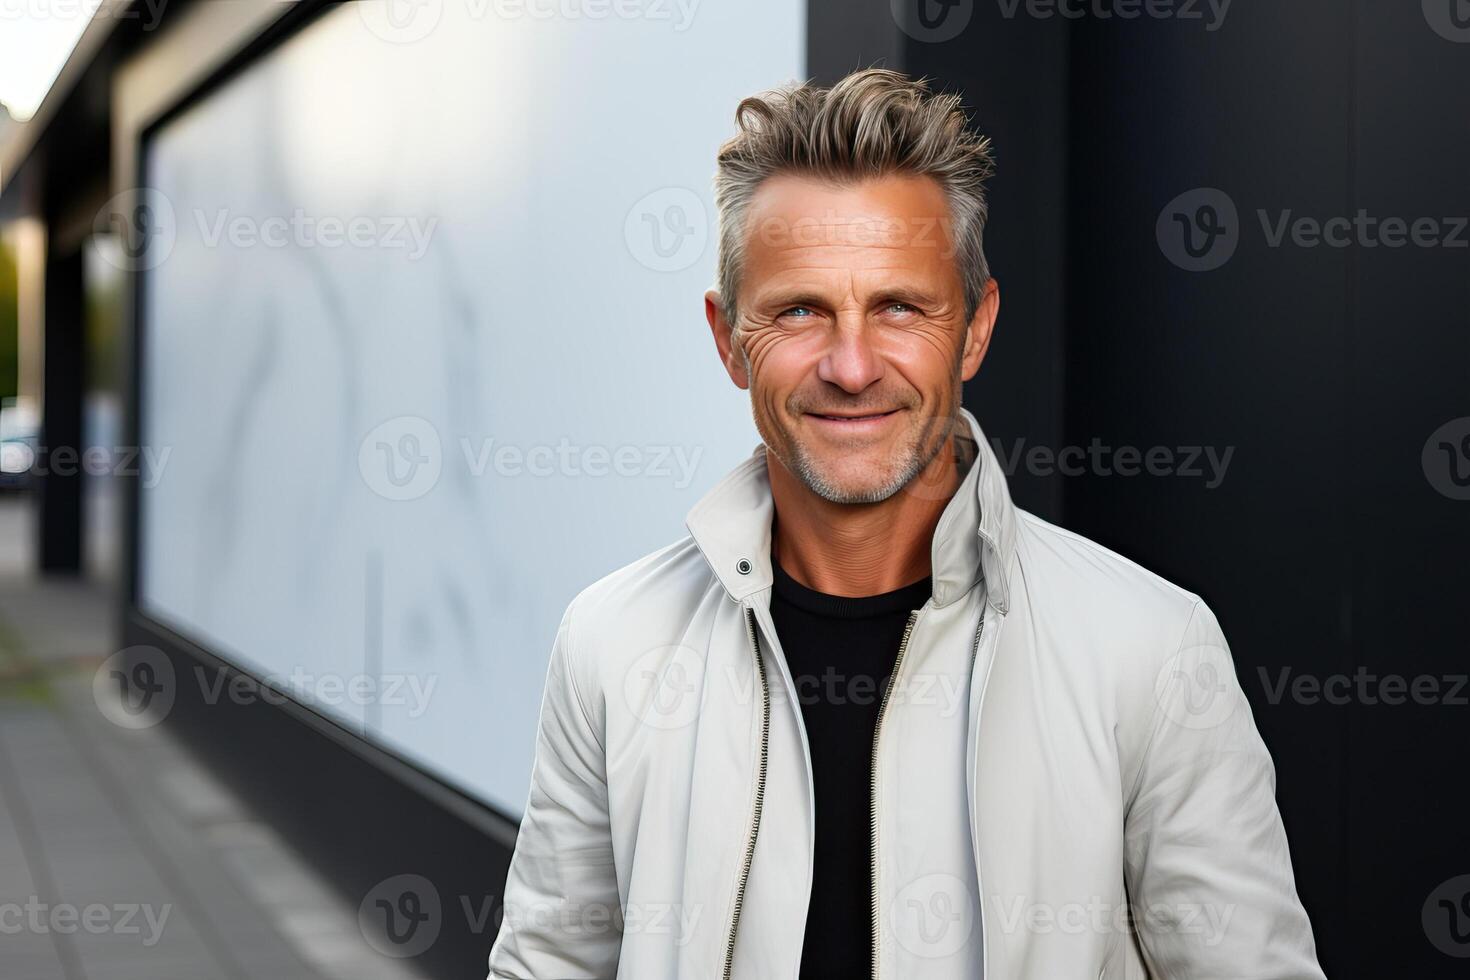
(788,299)
(905,294)
(783,299)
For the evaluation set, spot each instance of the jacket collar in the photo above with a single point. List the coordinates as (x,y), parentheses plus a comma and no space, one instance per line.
(973,541)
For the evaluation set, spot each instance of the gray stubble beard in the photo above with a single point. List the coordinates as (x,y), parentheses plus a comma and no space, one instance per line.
(919,456)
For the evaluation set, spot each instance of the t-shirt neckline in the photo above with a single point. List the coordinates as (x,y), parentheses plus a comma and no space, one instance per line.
(909,597)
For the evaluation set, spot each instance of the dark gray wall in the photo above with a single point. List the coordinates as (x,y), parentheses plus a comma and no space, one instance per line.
(59,460)
(1326,549)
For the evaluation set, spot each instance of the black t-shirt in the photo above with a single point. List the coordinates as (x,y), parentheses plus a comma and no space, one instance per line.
(841,652)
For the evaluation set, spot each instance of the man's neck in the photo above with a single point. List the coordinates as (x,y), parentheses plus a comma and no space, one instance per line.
(860,549)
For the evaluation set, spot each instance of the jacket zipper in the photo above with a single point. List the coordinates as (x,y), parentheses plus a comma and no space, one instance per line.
(979,632)
(903,645)
(979,883)
(760,793)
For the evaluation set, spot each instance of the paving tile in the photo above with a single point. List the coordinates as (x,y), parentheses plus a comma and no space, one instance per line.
(127,818)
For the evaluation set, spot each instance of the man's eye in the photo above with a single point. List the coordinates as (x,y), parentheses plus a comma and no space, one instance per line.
(799,311)
(900,308)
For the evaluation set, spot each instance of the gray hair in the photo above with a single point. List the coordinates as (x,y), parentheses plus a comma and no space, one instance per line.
(873,123)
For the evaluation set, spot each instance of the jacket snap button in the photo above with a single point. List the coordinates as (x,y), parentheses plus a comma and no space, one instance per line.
(743,566)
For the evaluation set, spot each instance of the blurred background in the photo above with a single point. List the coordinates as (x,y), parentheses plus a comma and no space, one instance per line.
(342,344)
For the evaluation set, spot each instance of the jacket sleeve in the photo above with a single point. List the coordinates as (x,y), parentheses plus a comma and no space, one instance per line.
(562,916)
(1206,862)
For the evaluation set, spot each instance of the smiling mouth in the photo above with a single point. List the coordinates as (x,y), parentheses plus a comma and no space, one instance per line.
(869,417)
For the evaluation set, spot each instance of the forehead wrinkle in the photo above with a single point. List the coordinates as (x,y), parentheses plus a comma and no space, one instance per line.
(858,269)
(854,284)
(857,232)
(828,260)
(876,278)
(780,249)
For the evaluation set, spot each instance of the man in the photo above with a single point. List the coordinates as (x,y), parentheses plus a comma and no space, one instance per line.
(869,718)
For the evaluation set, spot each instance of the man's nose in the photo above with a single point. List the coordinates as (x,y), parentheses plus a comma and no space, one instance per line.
(851,361)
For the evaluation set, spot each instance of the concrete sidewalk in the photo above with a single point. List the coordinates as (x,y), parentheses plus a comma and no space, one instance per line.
(120,857)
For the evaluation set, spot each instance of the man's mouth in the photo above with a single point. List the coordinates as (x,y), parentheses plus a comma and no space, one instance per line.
(853,421)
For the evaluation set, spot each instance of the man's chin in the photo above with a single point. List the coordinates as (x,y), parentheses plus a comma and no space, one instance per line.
(851,483)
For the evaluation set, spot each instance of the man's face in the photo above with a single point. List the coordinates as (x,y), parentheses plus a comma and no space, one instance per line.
(852,336)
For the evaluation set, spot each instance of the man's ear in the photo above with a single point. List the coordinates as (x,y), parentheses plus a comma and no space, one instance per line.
(977,335)
(730,354)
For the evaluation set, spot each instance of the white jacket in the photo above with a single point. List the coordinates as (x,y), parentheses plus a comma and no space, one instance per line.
(1068,783)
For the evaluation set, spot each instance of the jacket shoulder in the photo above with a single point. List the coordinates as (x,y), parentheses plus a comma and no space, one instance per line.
(646,604)
(1122,630)
(1066,574)
(1057,550)
(656,585)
